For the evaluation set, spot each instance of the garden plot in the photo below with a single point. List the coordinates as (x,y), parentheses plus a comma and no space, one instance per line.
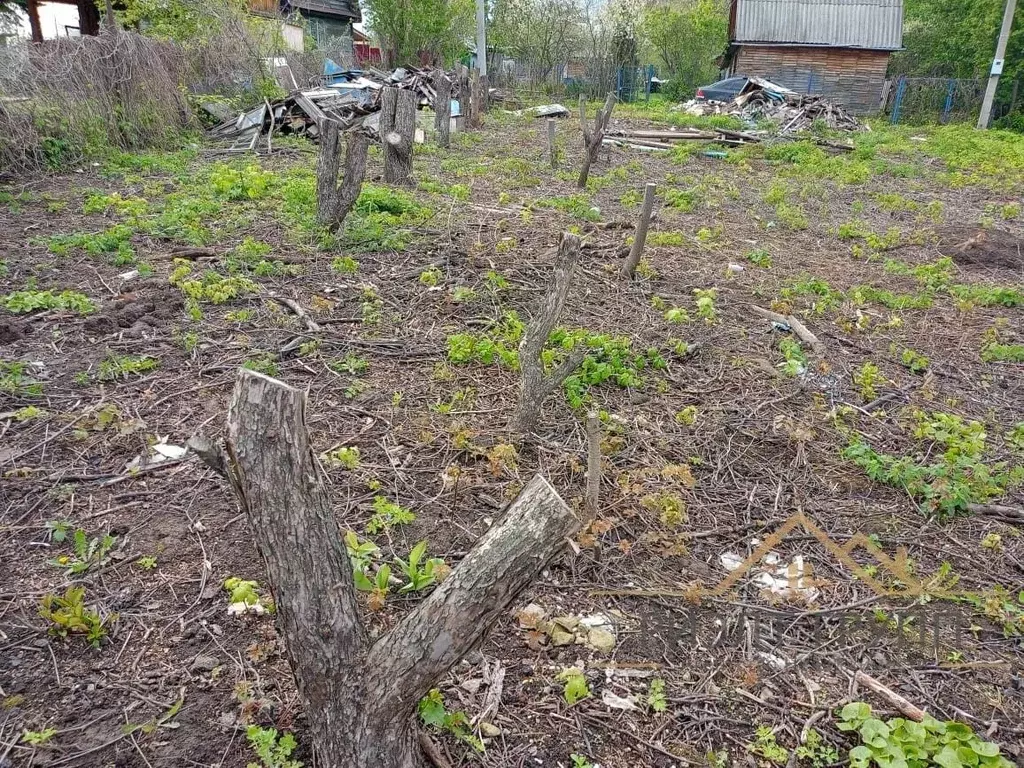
(680,626)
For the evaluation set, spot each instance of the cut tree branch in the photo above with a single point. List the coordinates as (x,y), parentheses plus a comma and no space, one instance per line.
(536,385)
(798,328)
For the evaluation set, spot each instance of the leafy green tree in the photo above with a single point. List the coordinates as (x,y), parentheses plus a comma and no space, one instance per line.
(539,33)
(687,38)
(410,31)
(957,38)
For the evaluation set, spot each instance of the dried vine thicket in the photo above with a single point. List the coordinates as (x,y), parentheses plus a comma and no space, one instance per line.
(72,95)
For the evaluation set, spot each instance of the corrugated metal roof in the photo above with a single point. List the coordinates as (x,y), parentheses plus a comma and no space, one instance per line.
(347,9)
(876,24)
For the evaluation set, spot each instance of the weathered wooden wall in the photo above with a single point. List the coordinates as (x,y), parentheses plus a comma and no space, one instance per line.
(851,76)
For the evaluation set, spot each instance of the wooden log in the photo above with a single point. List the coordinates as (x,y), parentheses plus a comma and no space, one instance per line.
(397,130)
(360,697)
(535,385)
(552,149)
(442,107)
(636,252)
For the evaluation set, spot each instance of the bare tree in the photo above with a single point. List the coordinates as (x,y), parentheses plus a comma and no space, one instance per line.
(442,107)
(360,695)
(334,200)
(397,131)
(592,139)
(536,385)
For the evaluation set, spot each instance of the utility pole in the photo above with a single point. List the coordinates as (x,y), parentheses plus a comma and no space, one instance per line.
(997,64)
(481,37)
(481,86)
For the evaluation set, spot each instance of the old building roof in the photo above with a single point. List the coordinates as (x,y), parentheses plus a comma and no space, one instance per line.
(347,9)
(874,24)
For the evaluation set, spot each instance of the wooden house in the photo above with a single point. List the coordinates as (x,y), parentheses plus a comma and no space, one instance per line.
(836,48)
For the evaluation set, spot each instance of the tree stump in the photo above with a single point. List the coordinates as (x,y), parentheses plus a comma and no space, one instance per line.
(463,90)
(442,107)
(360,696)
(334,201)
(592,139)
(640,238)
(397,131)
(535,385)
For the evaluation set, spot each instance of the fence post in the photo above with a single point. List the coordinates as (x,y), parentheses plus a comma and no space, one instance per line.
(948,106)
(901,87)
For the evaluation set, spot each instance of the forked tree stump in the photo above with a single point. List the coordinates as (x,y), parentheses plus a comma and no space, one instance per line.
(334,200)
(397,131)
(360,696)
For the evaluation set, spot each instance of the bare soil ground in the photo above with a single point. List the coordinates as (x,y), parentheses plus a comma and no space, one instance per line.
(710,449)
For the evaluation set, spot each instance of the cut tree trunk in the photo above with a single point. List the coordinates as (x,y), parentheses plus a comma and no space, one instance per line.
(360,696)
(640,238)
(592,139)
(442,107)
(535,385)
(465,102)
(397,130)
(32,9)
(334,200)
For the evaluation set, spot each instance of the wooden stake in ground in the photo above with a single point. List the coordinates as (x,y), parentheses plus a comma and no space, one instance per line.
(360,695)
(333,200)
(593,429)
(552,150)
(536,385)
(640,238)
(592,139)
(442,107)
(397,130)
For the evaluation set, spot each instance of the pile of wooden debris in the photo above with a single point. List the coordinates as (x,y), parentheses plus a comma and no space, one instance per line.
(789,110)
(347,96)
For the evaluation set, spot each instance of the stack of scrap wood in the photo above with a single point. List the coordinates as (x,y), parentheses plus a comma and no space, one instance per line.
(790,111)
(666,139)
(350,97)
